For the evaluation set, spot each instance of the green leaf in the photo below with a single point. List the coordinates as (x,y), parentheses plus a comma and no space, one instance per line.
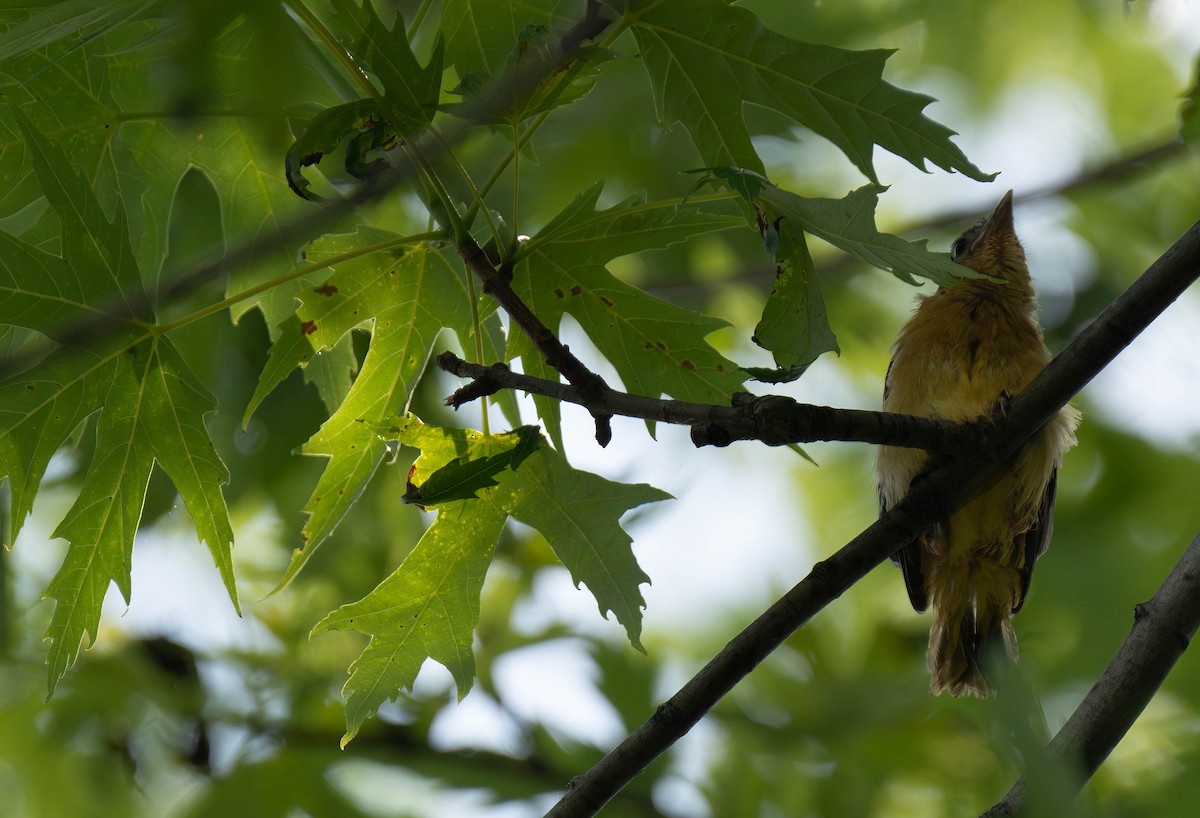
(153,409)
(101,524)
(74,102)
(404,296)
(409,100)
(464,478)
(530,58)
(706,59)
(151,406)
(52,22)
(429,607)
(849,225)
(480,33)
(656,347)
(794,326)
(411,91)
(176,403)
(579,515)
(1189,112)
(97,265)
(328,129)
(38,412)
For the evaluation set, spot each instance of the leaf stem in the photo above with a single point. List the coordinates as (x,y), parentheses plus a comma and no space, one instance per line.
(417,19)
(334,45)
(516,195)
(476,196)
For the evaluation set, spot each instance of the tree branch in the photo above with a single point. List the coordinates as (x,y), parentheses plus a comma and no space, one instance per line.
(589,387)
(772,419)
(1162,630)
(934,498)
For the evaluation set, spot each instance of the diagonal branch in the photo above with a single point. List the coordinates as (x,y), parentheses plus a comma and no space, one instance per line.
(942,492)
(589,386)
(772,419)
(1162,630)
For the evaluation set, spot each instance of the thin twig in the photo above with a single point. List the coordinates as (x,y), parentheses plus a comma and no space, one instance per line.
(941,493)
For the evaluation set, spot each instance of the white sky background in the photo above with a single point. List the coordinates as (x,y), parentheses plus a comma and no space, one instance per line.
(736,535)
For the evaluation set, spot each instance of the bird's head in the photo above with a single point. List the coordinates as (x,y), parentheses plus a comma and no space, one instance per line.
(991,246)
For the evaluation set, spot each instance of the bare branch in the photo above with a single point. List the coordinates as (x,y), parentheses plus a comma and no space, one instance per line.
(772,419)
(943,491)
(1162,630)
(589,387)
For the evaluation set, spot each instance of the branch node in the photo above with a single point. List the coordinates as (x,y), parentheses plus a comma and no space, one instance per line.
(711,434)
(603,429)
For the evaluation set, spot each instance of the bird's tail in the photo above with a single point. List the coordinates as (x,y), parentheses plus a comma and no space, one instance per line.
(972,635)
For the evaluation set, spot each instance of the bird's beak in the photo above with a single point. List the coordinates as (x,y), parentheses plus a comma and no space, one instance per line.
(1001,220)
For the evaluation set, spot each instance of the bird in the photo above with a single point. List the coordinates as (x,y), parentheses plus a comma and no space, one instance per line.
(966,350)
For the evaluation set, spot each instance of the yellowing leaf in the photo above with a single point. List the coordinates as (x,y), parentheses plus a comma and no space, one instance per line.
(404,296)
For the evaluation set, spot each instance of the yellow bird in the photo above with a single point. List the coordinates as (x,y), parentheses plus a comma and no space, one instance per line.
(966,350)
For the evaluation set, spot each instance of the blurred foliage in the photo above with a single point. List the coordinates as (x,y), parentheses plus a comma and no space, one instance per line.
(184,716)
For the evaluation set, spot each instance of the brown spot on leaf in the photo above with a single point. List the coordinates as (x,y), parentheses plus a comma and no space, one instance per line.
(649,345)
(576,290)
(326,290)
(721,368)
(558,293)
(686,364)
(607,301)
(31,387)
(661,346)
(308,327)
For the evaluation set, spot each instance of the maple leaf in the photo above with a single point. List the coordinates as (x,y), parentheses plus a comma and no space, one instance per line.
(794,326)
(404,296)
(706,59)
(429,607)
(151,406)
(656,347)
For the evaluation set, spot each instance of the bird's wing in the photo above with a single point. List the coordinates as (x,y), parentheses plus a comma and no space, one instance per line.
(1037,538)
(908,560)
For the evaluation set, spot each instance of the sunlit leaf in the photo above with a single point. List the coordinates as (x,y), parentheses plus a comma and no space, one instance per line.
(404,296)
(151,407)
(429,607)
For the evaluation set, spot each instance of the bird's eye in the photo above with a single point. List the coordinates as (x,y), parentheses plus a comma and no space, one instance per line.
(958,248)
